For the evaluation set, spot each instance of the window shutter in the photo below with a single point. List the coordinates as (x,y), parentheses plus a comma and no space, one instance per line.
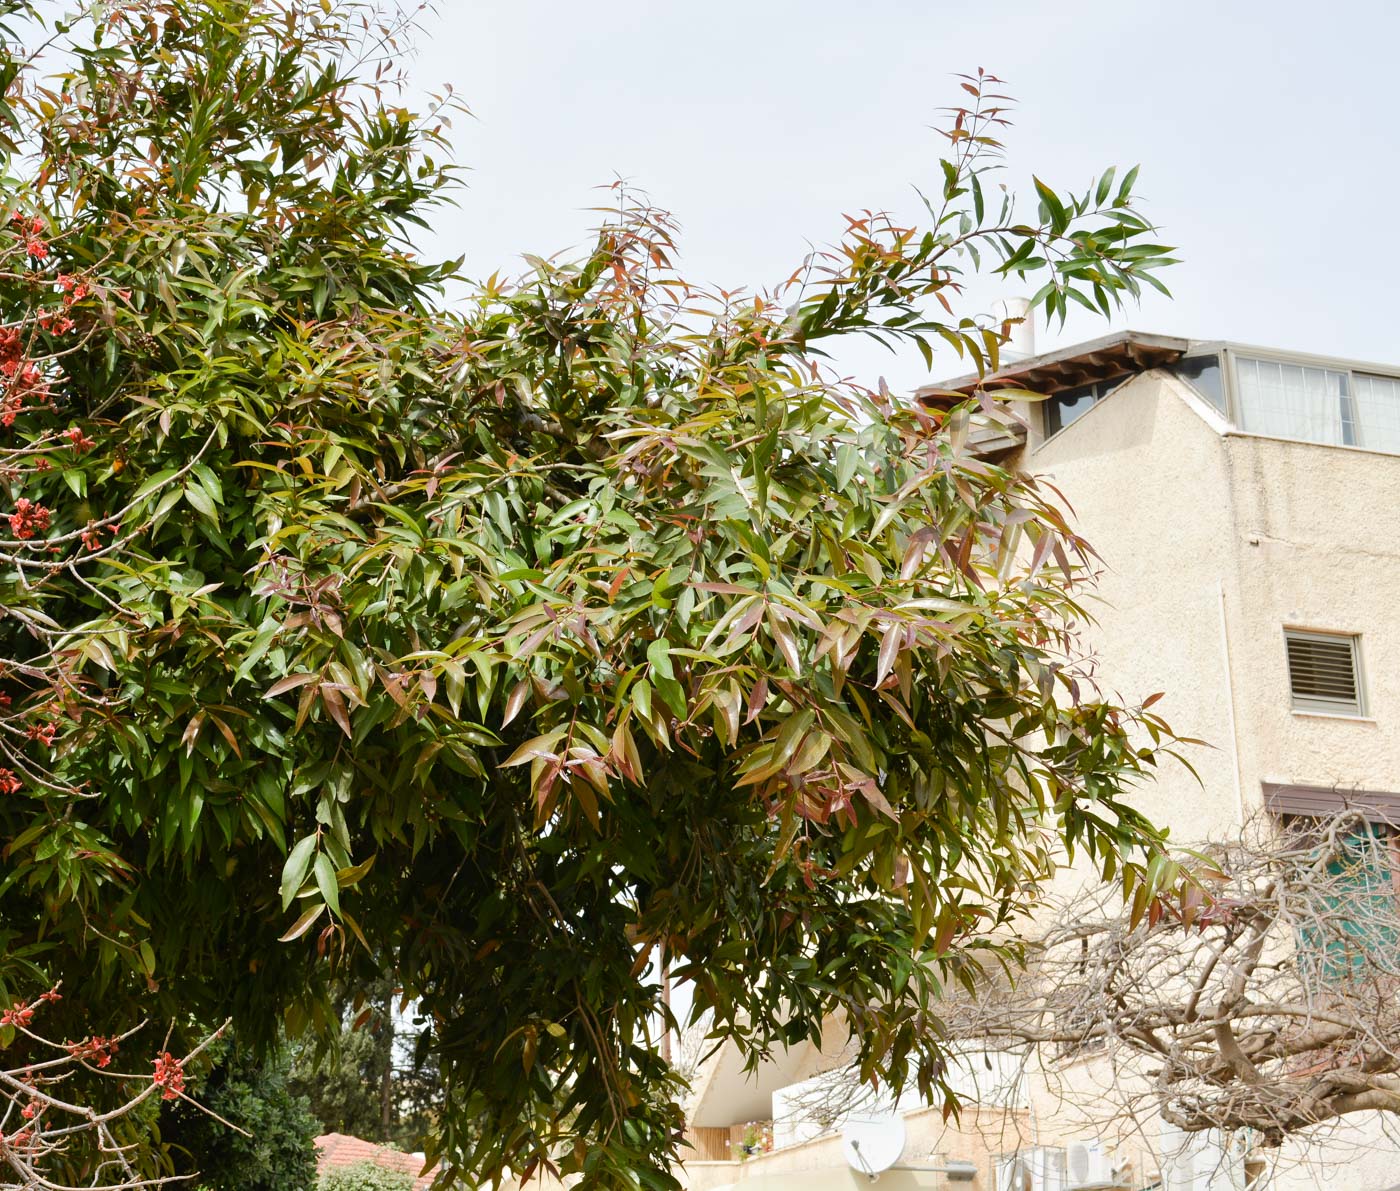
(1323,673)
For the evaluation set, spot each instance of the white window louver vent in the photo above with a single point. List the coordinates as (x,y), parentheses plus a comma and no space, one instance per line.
(1323,672)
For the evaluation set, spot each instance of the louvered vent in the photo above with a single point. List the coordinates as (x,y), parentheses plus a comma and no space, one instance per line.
(1323,672)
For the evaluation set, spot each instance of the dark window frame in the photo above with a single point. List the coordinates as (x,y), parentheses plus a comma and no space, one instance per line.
(1095,390)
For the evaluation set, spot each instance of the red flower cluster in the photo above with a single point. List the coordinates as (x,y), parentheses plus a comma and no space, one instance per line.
(92,535)
(97,1050)
(28,519)
(22,379)
(32,229)
(80,441)
(9,784)
(169,1075)
(19,1014)
(73,289)
(45,732)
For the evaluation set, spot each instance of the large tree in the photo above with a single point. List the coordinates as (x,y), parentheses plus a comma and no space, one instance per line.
(520,647)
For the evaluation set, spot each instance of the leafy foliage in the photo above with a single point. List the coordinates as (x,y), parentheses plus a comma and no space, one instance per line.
(365,1176)
(512,648)
(274,1151)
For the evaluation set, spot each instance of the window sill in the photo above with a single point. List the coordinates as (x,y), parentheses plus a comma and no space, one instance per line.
(1334,715)
(1235,431)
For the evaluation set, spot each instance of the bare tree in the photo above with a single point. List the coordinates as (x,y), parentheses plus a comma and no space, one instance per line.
(1267,999)
(1260,1007)
(48,1131)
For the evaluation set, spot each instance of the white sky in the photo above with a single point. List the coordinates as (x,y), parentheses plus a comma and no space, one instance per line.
(1265,130)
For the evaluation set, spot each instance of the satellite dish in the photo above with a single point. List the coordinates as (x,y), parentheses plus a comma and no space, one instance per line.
(873,1146)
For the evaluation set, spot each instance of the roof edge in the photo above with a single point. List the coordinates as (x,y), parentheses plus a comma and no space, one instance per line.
(1049,372)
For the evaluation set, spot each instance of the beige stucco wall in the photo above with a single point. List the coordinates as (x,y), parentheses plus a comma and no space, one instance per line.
(1148,480)
(819,1165)
(1193,521)
(1318,531)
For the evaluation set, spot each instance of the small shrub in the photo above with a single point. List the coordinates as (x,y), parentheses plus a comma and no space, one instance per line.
(365,1176)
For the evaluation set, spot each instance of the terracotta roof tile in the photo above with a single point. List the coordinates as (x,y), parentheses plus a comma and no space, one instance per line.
(337,1150)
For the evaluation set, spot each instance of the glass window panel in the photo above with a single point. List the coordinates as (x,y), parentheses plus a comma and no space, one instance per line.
(1066,407)
(1202,373)
(1071,404)
(1377,401)
(1293,401)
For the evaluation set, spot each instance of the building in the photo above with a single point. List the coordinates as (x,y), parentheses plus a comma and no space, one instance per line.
(1246,505)
(1243,500)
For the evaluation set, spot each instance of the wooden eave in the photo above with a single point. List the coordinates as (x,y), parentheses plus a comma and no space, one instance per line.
(1100,359)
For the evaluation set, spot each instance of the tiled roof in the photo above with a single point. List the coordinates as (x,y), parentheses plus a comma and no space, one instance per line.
(336,1150)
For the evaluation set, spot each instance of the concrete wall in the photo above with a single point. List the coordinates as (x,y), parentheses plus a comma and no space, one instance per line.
(1214,542)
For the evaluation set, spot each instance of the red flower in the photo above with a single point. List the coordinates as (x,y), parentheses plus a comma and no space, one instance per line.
(9,784)
(73,289)
(170,1075)
(28,519)
(80,441)
(97,1050)
(18,1014)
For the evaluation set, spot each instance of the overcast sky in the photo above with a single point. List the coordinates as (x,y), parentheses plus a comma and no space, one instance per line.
(1265,132)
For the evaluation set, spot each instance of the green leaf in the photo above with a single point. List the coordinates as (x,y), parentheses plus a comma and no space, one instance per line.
(659,655)
(295,869)
(199,500)
(326,882)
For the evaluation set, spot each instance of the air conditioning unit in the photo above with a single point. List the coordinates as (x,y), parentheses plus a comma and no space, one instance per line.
(1090,1167)
(1039,1169)
(1206,1161)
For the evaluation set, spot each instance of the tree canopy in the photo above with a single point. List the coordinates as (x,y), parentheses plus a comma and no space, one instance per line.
(512,647)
